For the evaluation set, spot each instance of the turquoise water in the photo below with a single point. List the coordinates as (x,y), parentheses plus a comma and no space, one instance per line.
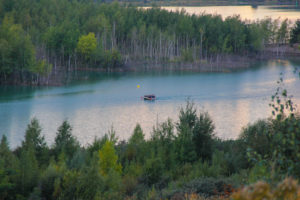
(98,102)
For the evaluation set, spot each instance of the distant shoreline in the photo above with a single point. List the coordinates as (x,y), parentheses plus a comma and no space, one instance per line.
(112,37)
(213,3)
(224,63)
(220,64)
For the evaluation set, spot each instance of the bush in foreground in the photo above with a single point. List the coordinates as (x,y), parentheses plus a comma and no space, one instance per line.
(288,189)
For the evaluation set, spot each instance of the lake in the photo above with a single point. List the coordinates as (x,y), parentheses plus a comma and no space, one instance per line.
(246,12)
(100,101)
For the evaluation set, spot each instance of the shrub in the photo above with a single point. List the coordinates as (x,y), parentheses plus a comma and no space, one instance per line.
(195,135)
(203,133)
(234,154)
(295,33)
(288,189)
(65,142)
(257,137)
(205,187)
(259,172)
(113,59)
(108,159)
(153,170)
(187,55)
(48,179)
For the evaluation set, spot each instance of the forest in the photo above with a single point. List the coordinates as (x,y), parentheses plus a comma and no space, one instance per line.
(42,39)
(182,160)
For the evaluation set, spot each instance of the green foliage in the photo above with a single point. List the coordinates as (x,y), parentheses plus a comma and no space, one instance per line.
(36,35)
(203,133)
(184,142)
(216,169)
(153,170)
(136,146)
(87,45)
(189,163)
(17,52)
(295,33)
(50,177)
(5,153)
(283,32)
(256,37)
(41,68)
(152,194)
(62,38)
(78,160)
(129,184)
(185,149)
(112,186)
(99,142)
(286,140)
(187,55)
(205,187)
(5,184)
(162,140)
(29,171)
(138,136)
(195,134)
(236,34)
(35,141)
(280,149)
(187,116)
(7,168)
(108,159)
(234,155)
(112,59)
(91,183)
(87,184)
(259,172)
(256,137)
(70,184)
(65,142)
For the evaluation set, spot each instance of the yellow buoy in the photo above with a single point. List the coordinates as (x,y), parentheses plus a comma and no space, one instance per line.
(138,86)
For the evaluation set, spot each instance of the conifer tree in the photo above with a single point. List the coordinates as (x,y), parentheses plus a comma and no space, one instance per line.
(108,159)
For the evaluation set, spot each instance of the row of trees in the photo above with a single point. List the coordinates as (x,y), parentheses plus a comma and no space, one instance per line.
(179,158)
(35,170)
(17,54)
(65,35)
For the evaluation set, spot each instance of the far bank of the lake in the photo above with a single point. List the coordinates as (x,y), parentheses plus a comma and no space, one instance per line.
(51,53)
(218,63)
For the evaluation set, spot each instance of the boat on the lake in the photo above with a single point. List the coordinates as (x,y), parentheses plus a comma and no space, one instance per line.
(149,97)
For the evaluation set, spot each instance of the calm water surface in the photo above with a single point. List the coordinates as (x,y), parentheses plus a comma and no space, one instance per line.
(94,105)
(246,12)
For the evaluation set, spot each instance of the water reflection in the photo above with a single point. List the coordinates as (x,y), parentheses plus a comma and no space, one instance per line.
(232,99)
(246,12)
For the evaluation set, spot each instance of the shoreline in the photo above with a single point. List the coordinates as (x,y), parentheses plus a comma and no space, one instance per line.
(223,63)
(217,64)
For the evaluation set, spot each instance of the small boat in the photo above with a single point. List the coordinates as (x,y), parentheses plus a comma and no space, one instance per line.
(149,97)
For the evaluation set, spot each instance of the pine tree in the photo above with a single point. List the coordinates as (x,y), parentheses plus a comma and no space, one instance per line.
(29,171)
(65,142)
(34,139)
(8,169)
(109,159)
